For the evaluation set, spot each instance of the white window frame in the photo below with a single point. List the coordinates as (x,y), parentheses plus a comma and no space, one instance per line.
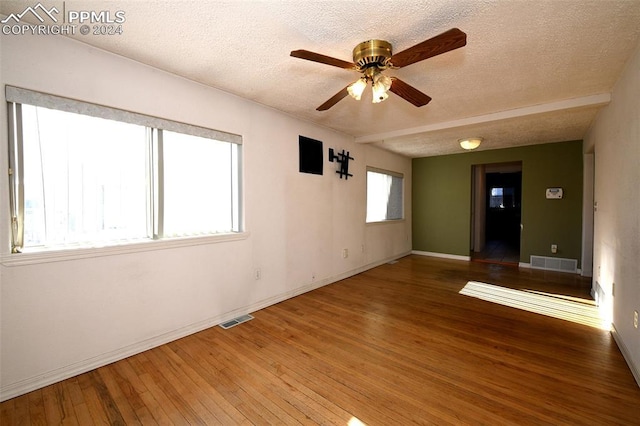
(15,97)
(402,202)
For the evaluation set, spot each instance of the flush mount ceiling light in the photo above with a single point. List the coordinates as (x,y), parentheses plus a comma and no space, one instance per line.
(470,143)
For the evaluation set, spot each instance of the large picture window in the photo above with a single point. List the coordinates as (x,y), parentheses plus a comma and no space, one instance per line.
(385,196)
(85,175)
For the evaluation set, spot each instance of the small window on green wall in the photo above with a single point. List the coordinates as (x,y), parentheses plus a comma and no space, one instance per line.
(385,195)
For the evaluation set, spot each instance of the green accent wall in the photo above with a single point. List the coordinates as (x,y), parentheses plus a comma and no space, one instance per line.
(441,199)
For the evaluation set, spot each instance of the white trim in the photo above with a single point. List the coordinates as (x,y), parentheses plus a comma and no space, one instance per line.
(442,255)
(21,259)
(625,353)
(385,222)
(385,172)
(458,257)
(36,382)
(41,380)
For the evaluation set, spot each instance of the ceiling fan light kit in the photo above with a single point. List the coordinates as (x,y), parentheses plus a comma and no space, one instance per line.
(470,143)
(355,89)
(374,56)
(381,85)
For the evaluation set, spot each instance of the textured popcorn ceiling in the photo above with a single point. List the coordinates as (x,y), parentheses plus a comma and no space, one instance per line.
(532,71)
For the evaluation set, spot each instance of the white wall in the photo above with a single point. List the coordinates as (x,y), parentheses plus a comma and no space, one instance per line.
(62,316)
(615,140)
(586,262)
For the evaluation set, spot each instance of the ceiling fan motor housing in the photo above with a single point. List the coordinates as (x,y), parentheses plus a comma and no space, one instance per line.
(372,53)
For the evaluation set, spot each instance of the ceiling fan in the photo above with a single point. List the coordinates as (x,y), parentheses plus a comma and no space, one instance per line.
(374,56)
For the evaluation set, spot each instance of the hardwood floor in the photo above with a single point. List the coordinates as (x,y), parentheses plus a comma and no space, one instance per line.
(394,345)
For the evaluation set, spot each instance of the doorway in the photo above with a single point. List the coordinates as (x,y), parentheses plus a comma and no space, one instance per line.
(496,213)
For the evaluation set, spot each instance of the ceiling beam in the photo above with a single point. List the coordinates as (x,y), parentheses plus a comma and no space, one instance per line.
(601,99)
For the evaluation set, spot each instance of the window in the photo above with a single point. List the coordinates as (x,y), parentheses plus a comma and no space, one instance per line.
(84,178)
(209,166)
(495,200)
(106,176)
(501,198)
(385,198)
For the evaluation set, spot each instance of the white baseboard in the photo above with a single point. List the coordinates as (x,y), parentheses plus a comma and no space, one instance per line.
(27,385)
(625,354)
(467,258)
(21,387)
(441,255)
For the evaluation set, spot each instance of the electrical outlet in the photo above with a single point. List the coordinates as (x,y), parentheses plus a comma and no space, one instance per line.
(554,248)
(345,253)
(635,319)
(257,274)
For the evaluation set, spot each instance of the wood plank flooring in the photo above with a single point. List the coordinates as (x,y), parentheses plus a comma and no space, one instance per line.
(395,345)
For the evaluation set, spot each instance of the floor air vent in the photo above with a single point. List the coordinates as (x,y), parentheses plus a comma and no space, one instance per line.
(236,321)
(554,264)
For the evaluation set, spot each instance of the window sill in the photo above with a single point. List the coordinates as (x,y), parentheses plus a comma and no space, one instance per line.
(61,255)
(385,222)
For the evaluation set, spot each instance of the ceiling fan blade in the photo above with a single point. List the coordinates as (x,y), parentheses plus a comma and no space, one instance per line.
(334,100)
(323,59)
(408,93)
(450,40)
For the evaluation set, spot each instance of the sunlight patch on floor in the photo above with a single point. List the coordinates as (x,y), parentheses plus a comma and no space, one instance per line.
(354,421)
(559,306)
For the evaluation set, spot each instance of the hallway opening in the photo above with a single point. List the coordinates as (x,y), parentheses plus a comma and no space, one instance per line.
(496,213)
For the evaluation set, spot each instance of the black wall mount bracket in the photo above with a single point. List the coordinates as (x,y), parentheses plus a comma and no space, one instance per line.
(343,159)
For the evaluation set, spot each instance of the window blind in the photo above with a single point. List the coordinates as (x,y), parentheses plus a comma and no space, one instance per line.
(25,96)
